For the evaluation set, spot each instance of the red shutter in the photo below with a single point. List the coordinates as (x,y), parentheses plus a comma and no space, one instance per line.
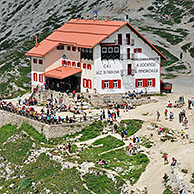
(84,83)
(84,66)
(35,77)
(73,64)
(136,83)
(102,84)
(87,84)
(110,83)
(63,62)
(145,83)
(119,83)
(153,82)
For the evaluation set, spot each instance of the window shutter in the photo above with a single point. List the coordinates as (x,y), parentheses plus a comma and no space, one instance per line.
(69,63)
(84,83)
(110,83)
(35,76)
(63,62)
(136,83)
(145,83)
(153,82)
(119,83)
(87,83)
(102,84)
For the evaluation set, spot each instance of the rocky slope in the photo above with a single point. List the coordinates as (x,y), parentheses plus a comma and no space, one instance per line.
(168,24)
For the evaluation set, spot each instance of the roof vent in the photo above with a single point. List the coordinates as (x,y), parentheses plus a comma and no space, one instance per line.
(36,44)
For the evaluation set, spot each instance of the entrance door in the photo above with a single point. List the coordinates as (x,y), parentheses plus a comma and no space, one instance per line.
(129,69)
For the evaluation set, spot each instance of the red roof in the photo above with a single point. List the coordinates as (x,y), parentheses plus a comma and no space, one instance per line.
(62,72)
(82,33)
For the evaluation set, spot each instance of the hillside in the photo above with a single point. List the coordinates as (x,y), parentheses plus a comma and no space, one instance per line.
(167,24)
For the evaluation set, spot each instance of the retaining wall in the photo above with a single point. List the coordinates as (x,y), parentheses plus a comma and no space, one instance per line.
(50,131)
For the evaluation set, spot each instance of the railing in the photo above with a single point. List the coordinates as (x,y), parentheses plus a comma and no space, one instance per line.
(125,72)
(130,42)
(125,57)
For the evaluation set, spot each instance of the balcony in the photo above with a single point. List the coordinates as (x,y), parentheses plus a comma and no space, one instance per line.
(124,72)
(130,42)
(125,57)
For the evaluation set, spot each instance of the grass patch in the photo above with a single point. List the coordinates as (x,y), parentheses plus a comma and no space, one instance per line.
(130,167)
(15,151)
(176,68)
(33,133)
(92,154)
(171,58)
(192,178)
(146,142)
(132,126)
(7,131)
(191,51)
(185,47)
(99,183)
(169,76)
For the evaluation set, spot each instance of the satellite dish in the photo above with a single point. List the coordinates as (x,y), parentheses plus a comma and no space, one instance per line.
(64,56)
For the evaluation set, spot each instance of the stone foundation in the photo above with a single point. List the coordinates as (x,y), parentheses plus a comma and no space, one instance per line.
(50,131)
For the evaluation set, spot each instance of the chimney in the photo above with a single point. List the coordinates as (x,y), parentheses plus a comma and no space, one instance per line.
(36,44)
(107,18)
(87,17)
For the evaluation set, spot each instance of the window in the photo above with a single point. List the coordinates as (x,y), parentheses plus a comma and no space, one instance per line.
(104,49)
(78,64)
(137,50)
(60,47)
(68,48)
(35,77)
(34,60)
(115,83)
(128,39)
(87,53)
(89,84)
(120,39)
(128,53)
(40,61)
(110,49)
(129,70)
(149,82)
(73,64)
(84,83)
(111,84)
(89,66)
(84,66)
(40,78)
(139,83)
(116,49)
(110,52)
(105,84)
(73,48)
(79,49)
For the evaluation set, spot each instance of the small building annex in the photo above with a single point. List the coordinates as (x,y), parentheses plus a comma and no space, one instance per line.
(95,56)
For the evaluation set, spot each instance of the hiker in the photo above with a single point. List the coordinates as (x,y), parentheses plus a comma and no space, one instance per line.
(182,133)
(118,112)
(160,131)
(165,177)
(181,54)
(166,114)
(174,162)
(126,133)
(158,115)
(189,104)
(69,147)
(74,92)
(171,116)
(115,128)
(122,135)
(134,139)
(19,99)
(165,159)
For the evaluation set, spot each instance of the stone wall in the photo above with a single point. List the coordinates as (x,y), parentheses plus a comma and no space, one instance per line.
(50,131)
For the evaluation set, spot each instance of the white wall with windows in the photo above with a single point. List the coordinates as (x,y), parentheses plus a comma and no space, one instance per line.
(144,61)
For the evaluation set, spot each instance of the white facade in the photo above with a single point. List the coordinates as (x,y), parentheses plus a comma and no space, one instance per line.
(145,65)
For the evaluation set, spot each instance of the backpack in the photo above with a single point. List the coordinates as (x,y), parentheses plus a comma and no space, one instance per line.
(126,133)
